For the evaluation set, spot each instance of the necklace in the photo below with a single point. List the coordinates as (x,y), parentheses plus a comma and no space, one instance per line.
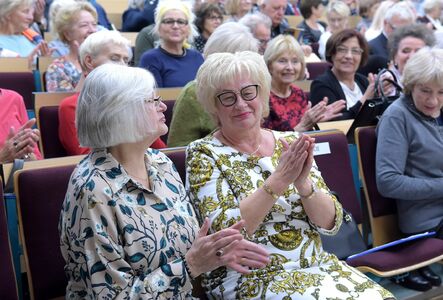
(233,145)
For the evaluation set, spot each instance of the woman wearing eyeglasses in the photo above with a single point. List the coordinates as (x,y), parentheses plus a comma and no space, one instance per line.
(208,17)
(173,63)
(346,50)
(268,179)
(127,228)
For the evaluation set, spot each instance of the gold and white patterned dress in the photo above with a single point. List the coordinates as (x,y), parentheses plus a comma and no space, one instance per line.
(219,177)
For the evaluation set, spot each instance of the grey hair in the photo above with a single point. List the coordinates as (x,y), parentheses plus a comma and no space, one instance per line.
(221,69)
(66,14)
(8,6)
(401,10)
(136,4)
(423,67)
(230,37)
(282,44)
(255,19)
(419,31)
(429,5)
(96,42)
(164,6)
(111,107)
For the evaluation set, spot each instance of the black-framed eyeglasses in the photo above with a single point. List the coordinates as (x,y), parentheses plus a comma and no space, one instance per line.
(171,22)
(155,100)
(229,98)
(354,51)
(215,18)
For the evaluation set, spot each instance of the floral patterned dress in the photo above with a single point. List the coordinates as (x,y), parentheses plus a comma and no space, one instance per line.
(62,76)
(219,177)
(122,241)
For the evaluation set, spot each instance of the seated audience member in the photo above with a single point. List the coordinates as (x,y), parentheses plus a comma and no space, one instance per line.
(74,22)
(189,120)
(208,17)
(270,180)
(337,13)
(366,10)
(312,28)
(140,13)
(289,108)
(432,9)
(60,48)
(346,50)
(409,167)
(129,204)
(146,40)
(396,16)
(99,48)
(275,9)
(15,18)
(260,26)
(377,22)
(236,9)
(17,138)
(405,42)
(173,63)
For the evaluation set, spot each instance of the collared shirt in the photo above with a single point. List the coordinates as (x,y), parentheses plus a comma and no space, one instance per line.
(121,240)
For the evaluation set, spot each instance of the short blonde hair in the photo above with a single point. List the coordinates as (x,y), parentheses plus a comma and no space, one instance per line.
(338,7)
(166,5)
(8,6)
(111,108)
(67,14)
(221,69)
(282,44)
(423,67)
(232,7)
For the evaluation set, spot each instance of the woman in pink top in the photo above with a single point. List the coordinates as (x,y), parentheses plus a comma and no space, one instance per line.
(17,138)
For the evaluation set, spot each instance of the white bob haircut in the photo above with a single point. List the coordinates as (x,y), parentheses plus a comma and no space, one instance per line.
(97,42)
(222,69)
(111,108)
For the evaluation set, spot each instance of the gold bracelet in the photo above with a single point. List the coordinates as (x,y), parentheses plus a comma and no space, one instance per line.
(311,194)
(268,190)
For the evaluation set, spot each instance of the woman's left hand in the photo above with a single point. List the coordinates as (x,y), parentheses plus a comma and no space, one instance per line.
(332,110)
(302,182)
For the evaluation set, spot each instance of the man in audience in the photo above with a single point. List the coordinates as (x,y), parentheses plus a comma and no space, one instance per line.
(397,16)
(260,26)
(275,9)
(98,48)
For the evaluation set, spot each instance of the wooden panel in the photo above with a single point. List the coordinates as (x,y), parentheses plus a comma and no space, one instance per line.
(14,64)
(353,21)
(294,20)
(169,93)
(342,125)
(114,6)
(131,36)
(305,85)
(116,19)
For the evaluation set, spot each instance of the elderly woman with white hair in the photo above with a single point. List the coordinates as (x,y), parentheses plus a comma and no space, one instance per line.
(74,22)
(268,179)
(15,18)
(127,228)
(409,142)
(189,120)
(173,63)
(432,9)
(98,48)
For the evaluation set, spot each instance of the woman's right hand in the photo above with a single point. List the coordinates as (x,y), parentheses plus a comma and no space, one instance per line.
(224,248)
(20,143)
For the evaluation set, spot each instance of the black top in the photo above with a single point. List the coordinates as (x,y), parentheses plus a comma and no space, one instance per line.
(327,85)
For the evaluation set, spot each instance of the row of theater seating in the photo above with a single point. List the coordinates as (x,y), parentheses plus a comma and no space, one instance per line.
(41,185)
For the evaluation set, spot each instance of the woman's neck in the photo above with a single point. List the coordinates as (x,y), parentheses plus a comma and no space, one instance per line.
(248,141)
(7,29)
(281,89)
(173,48)
(132,157)
(346,78)
(312,22)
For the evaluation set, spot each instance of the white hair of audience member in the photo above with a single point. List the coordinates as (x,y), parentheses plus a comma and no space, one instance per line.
(186,7)
(95,43)
(136,4)
(230,37)
(403,10)
(111,107)
(53,9)
(377,22)
(429,5)
(255,19)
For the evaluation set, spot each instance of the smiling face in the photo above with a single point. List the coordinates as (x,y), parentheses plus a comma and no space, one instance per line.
(285,69)
(245,6)
(81,27)
(346,60)
(428,98)
(242,114)
(20,18)
(406,49)
(173,32)
(211,22)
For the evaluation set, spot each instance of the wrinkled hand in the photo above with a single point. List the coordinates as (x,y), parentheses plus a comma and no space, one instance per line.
(332,110)
(20,143)
(42,49)
(39,9)
(237,254)
(303,177)
(307,50)
(311,116)
(369,93)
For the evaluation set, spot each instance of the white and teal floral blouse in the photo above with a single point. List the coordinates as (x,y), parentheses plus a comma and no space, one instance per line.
(122,241)
(219,177)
